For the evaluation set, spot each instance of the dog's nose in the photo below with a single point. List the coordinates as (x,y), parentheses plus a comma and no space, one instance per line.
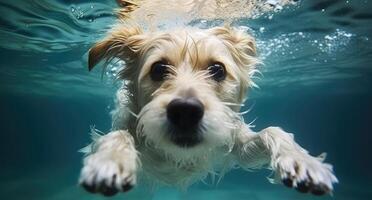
(185,113)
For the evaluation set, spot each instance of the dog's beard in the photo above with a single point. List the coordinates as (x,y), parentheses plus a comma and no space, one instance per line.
(215,132)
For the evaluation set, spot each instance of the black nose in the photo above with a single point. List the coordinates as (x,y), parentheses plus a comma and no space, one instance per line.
(185,113)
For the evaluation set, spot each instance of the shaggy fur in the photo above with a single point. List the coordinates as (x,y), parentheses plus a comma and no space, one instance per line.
(140,141)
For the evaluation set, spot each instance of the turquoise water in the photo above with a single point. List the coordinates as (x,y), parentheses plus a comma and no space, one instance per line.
(316,83)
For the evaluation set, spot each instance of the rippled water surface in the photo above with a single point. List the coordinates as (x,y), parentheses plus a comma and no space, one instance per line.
(316,82)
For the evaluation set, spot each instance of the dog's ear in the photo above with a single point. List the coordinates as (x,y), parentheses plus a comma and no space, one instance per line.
(242,42)
(242,47)
(122,42)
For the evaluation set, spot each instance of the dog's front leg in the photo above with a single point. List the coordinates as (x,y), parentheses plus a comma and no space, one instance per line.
(111,164)
(291,163)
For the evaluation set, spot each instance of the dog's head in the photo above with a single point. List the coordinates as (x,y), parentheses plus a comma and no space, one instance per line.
(186,85)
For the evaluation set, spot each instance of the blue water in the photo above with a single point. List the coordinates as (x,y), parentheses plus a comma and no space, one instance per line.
(316,83)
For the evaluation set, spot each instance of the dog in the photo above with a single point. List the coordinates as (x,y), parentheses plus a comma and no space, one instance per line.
(177,115)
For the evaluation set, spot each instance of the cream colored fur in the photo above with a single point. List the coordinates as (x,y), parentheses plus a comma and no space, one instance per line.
(138,143)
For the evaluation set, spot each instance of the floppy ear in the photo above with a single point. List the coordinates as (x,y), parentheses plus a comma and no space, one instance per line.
(122,42)
(242,47)
(241,41)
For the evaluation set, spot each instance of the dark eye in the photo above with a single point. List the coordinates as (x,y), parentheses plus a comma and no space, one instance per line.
(218,71)
(159,71)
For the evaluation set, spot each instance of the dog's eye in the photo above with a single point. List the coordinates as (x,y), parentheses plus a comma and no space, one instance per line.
(217,70)
(159,70)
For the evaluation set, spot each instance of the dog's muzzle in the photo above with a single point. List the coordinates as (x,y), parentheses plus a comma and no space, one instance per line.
(184,115)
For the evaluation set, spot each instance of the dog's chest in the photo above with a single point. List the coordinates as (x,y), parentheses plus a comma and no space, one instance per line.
(157,166)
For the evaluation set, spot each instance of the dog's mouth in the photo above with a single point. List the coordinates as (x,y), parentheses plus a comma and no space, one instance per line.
(185,138)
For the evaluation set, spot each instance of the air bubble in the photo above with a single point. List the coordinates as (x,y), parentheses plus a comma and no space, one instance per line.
(77,12)
(278,8)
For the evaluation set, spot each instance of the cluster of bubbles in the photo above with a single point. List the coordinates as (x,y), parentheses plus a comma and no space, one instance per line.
(293,44)
(334,42)
(113,68)
(79,13)
(278,45)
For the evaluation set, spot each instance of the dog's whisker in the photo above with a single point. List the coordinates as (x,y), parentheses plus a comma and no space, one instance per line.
(250,124)
(133,114)
(247,111)
(243,113)
(157,91)
(232,104)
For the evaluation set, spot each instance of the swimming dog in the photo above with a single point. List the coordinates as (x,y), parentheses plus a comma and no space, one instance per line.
(177,114)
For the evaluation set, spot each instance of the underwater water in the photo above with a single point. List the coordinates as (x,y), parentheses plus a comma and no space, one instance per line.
(316,83)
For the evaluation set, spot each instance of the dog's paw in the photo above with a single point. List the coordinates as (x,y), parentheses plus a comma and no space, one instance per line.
(107,175)
(306,174)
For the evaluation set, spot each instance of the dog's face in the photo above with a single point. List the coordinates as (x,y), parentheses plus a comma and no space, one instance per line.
(186,85)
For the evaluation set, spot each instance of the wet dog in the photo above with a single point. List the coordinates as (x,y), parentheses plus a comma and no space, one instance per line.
(177,116)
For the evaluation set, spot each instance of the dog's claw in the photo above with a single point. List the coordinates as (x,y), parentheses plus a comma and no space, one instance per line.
(320,189)
(127,187)
(303,187)
(106,190)
(109,191)
(288,182)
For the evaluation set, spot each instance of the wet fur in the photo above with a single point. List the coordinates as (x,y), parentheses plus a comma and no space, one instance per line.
(139,142)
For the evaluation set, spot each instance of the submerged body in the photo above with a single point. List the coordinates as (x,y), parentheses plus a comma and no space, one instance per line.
(177,116)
